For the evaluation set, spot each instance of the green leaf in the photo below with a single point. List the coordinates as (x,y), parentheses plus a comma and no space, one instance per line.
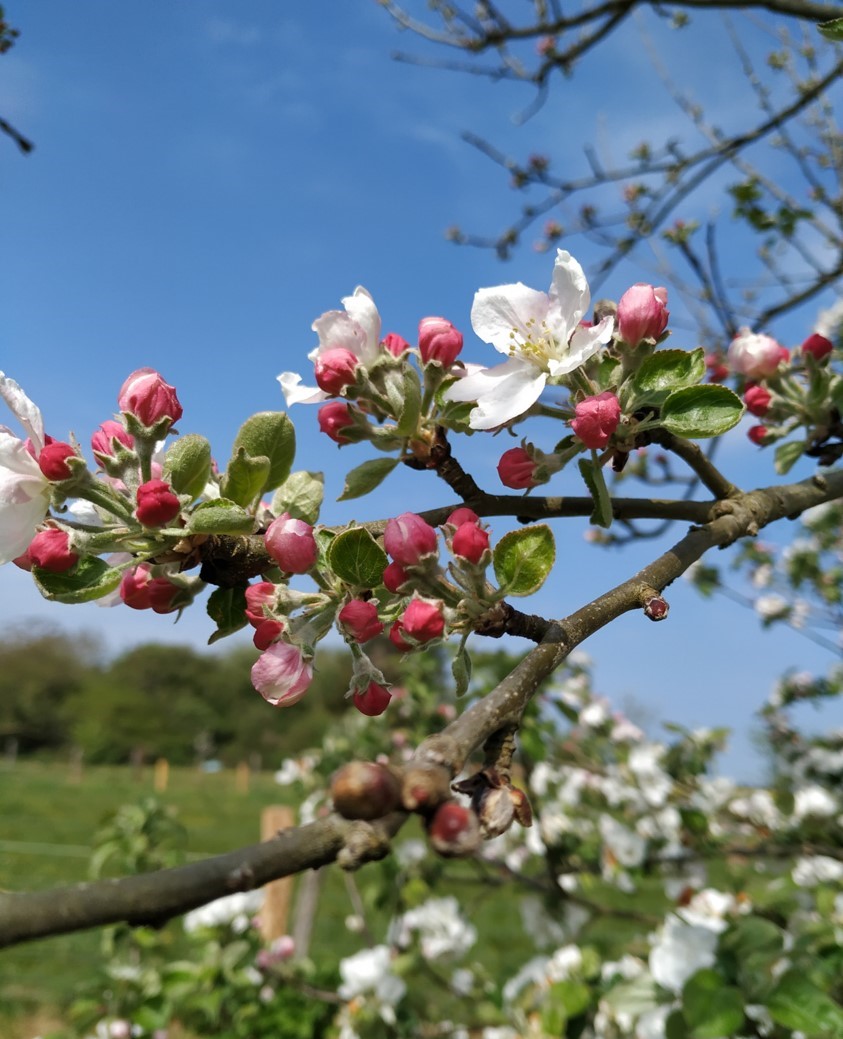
(301,496)
(411,409)
(90,579)
(187,465)
(269,434)
(832,30)
(461,670)
(356,558)
(701,411)
(711,1008)
(575,996)
(245,478)
(798,1003)
(220,516)
(596,483)
(787,455)
(226,608)
(523,559)
(665,371)
(367,477)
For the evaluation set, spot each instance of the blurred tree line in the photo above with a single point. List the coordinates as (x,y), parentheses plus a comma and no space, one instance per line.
(59,691)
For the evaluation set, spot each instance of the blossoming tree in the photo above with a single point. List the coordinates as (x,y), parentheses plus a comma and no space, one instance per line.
(723,903)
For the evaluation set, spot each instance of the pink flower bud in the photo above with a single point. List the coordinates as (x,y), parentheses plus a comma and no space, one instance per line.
(373,701)
(421,622)
(717,370)
(157,504)
(517,469)
(408,539)
(50,550)
(395,344)
(291,544)
(103,441)
(757,400)
(335,369)
(597,418)
(333,418)
(755,356)
(396,639)
(359,620)
(642,313)
(439,341)
(757,434)
(257,596)
(163,595)
(134,587)
(656,608)
(146,396)
(52,461)
(266,633)
(817,346)
(281,674)
(470,542)
(394,576)
(462,515)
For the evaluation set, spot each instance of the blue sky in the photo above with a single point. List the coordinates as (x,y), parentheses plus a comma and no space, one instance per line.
(208,179)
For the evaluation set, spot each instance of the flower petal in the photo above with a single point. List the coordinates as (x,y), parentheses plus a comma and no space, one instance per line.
(502,393)
(27,413)
(504,315)
(295,394)
(569,296)
(585,343)
(362,310)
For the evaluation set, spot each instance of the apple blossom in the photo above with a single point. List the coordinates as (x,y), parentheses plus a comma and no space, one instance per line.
(335,369)
(596,420)
(395,344)
(758,434)
(408,539)
(24,490)
(642,313)
(257,596)
(291,544)
(333,419)
(109,434)
(757,400)
(439,342)
(462,515)
(50,550)
(542,335)
(818,346)
(394,577)
(373,700)
(421,622)
(470,542)
(52,461)
(359,620)
(755,356)
(717,370)
(149,398)
(356,329)
(157,504)
(281,674)
(266,632)
(517,469)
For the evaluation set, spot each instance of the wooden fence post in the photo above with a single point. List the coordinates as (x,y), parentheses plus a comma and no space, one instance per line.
(275,912)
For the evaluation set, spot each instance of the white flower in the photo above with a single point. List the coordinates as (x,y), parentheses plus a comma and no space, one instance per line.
(758,807)
(771,607)
(368,971)
(540,332)
(235,910)
(441,929)
(815,800)
(811,870)
(24,490)
(357,328)
(680,951)
(626,847)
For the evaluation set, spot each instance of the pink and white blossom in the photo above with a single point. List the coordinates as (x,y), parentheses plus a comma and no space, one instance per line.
(542,335)
(356,329)
(281,674)
(24,490)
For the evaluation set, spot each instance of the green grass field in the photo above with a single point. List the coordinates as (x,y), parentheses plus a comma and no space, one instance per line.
(48,819)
